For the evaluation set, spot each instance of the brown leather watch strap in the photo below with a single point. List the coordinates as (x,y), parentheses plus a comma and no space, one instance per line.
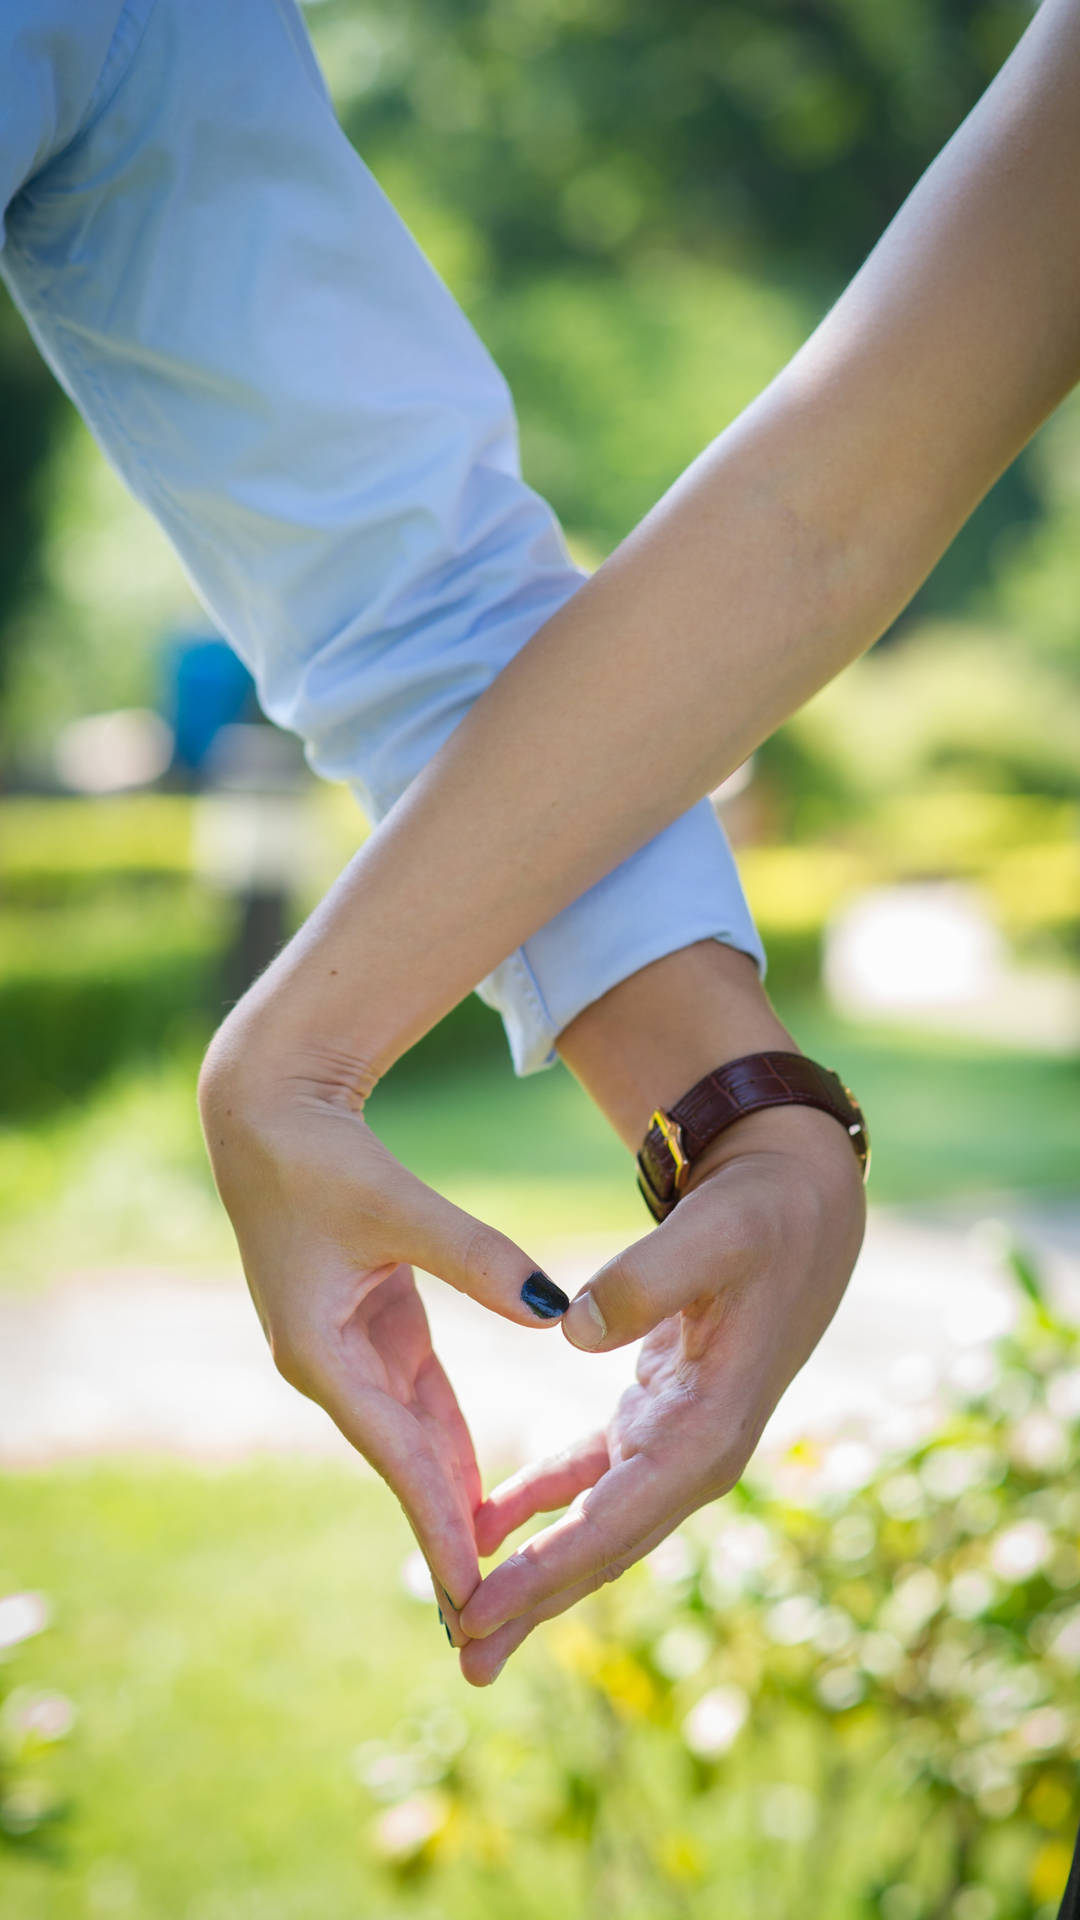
(676,1138)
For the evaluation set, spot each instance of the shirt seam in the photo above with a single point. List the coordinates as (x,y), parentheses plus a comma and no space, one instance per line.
(131,26)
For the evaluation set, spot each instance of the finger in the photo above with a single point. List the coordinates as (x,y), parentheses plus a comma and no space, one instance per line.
(600,1533)
(539,1488)
(440,1404)
(697,1251)
(482,1661)
(478,1260)
(387,1436)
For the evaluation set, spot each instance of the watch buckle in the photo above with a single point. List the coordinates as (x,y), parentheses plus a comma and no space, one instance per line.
(672,1135)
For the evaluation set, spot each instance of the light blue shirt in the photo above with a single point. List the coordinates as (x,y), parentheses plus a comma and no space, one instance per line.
(277,372)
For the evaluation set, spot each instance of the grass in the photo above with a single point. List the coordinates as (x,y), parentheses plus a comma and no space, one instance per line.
(228,1641)
(123,1177)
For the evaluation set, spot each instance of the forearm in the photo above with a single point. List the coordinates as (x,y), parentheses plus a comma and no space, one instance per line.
(644,1043)
(654,1035)
(782,553)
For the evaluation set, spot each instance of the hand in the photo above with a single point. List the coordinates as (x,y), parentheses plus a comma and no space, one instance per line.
(733,1292)
(327,1223)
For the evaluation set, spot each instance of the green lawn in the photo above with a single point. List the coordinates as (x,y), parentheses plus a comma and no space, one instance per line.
(122,1178)
(228,1640)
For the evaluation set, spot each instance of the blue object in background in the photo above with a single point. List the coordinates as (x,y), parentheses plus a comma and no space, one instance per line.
(208,688)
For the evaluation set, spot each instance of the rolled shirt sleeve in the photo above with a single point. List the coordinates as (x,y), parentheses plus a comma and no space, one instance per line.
(275,369)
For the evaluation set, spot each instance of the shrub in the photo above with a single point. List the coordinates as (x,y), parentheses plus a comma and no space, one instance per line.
(850,1690)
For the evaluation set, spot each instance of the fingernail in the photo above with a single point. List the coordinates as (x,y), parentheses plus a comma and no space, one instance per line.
(496,1673)
(543,1297)
(445,1628)
(584,1325)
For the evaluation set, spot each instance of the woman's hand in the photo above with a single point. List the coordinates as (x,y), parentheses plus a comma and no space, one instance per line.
(328,1224)
(733,1291)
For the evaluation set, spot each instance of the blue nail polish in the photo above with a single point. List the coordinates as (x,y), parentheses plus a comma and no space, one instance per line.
(543,1297)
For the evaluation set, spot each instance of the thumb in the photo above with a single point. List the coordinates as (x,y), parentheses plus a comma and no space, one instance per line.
(686,1258)
(478,1260)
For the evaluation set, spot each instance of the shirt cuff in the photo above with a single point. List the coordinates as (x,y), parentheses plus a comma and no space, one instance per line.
(682,887)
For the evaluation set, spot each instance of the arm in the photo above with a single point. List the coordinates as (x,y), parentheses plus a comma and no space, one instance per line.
(780,555)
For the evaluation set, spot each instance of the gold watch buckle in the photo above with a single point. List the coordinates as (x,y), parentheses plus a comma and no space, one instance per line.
(672,1136)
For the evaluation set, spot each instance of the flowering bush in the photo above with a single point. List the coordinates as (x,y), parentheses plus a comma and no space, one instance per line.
(850,1689)
(31,1723)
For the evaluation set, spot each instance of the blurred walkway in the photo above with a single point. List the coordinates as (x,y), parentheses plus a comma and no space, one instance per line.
(149,1362)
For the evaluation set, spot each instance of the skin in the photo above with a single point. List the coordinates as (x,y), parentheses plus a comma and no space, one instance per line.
(329,1226)
(785,550)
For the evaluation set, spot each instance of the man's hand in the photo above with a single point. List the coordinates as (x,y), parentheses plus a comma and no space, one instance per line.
(328,1223)
(733,1292)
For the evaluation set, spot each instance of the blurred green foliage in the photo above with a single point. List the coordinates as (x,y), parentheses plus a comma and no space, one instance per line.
(113,947)
(848,1691)
(851,1690)
(644,210)
(584,129)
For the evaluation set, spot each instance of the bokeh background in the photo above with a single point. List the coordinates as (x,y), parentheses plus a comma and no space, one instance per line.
(851,1690)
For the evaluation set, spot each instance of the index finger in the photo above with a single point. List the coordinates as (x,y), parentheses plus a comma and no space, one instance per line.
(436,1510)
(599,1537)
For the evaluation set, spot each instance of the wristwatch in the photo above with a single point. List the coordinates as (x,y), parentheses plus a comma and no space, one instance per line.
(677,1138)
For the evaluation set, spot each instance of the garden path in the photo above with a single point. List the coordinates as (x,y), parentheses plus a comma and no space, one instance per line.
(151,1361)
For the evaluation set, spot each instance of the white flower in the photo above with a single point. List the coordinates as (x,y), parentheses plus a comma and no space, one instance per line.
(21,1615)
(671,1562)
(973,1373)
(1063,1394)
(880,1654)
(714,1724)
(970,1594)
(1021,1550)
(912,1603)
(682,1651)
(847,1466)
(950,1471)
(1039,1442)
(41,1716)
(974,1903)
(839,1688)
(743,1546)
(835,1631)
(793,1621)
(902,1497)
(1065,1645)
(1046,1727)
(405,1830)
(852,1537)
(787,1812)
(416,1577)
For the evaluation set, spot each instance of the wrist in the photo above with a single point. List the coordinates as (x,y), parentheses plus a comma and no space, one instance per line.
(655,1034)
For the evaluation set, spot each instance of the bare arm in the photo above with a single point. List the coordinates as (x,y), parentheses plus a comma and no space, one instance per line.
(782,553)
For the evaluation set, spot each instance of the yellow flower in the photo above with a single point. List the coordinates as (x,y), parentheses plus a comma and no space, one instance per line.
(1049,1871)
(1049,1802)
(629,1688)
(681,1857)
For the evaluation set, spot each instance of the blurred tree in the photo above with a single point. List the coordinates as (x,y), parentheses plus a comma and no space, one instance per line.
(32,409)
(584,127)
(644,207)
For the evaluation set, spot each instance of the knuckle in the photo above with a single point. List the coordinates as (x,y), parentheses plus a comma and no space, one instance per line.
(289,1359)
(483,1255)
(615,1569)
